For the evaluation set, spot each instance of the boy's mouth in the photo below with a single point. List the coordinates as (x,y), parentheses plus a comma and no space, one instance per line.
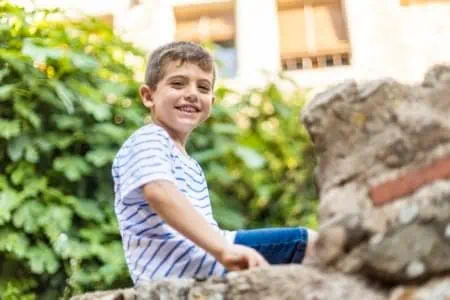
(187,108)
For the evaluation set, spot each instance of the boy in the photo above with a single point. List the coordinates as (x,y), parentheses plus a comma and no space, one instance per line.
(162,201)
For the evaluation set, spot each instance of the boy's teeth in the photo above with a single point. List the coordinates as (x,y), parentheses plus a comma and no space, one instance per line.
(187,109)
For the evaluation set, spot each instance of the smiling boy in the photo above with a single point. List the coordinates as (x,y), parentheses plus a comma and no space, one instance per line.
(162,200)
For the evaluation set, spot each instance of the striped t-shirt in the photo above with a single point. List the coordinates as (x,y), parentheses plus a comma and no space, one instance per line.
(152,248)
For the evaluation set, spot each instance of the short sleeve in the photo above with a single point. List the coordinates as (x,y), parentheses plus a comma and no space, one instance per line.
(144,158)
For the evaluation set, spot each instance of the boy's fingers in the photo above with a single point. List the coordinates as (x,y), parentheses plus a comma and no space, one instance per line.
(252,262)
(263,262)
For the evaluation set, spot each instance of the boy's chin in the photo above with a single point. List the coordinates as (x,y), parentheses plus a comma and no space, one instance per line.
(187,125)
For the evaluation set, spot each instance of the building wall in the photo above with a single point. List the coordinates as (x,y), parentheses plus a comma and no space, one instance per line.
(387,38)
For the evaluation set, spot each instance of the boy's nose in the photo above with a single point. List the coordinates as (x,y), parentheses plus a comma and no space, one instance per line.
(191,95)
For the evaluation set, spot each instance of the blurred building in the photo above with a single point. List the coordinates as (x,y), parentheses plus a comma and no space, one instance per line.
(316,42)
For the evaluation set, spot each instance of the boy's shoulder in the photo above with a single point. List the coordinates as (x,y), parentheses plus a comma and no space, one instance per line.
(148,131)
(143,135)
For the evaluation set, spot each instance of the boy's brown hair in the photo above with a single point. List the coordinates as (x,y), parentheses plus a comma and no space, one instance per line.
(177,51)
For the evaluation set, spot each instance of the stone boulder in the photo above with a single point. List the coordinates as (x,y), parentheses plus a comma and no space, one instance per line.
(384,177)
(279,282)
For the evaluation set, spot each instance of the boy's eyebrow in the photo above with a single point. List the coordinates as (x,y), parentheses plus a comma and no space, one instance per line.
(204,80)
(176,77)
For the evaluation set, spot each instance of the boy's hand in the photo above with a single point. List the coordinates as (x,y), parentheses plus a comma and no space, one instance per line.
(238,257)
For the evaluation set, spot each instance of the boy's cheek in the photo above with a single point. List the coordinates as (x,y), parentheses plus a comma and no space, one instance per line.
(206,116)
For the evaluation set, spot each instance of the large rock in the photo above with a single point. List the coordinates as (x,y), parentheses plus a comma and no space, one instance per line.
(435,289)
(383,176)
(280,282)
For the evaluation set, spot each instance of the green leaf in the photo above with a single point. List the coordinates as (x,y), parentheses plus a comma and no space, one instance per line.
(227,216)
(9,129)
(209,155)
(12,288)
(42,259)
(9,200)
(56,220)
(14,59)
(274,93)
(60,141)
(14,242)
(282,110)
(73,167)
(251,158)
(100,111)
(65,122)
(93,235)
(3,73)
(7,91)
(17,146)
(222,128)
(31,154)
(67,247)
(44,144)
(88,210)
(217,171)
(112,88)
(26,111)
(27,216)
(106,133)
(83,62)
(100,157)
(104,251)
(222,91)
(65,95)
(35,186)
(22,172)
(40,54)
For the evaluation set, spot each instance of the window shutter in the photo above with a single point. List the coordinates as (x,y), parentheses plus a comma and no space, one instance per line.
(292,32)
(329,30)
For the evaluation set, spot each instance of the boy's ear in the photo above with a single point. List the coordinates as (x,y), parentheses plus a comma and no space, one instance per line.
(213,99)
(146,94)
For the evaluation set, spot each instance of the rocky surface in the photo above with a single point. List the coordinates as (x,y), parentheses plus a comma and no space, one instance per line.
(279,282)
(384,185)
(384,177)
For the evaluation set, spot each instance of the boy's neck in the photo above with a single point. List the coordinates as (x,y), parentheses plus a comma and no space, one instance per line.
(178,138)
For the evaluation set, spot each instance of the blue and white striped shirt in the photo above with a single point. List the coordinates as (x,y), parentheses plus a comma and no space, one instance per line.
(152,248)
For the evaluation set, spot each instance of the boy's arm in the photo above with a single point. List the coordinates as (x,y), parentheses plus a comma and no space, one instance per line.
(175,208)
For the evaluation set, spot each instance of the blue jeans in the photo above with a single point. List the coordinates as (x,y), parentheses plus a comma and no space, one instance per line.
(277,245)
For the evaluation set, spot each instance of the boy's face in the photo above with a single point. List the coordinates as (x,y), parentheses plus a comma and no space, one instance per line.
(182,99)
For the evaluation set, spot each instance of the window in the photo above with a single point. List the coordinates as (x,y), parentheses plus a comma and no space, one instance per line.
(313,34)
(210,22)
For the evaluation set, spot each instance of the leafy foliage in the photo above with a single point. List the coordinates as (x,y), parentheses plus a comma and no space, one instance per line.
(68,100)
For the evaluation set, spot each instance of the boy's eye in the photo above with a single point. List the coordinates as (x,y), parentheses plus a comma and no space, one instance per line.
(204,88)
(177,84)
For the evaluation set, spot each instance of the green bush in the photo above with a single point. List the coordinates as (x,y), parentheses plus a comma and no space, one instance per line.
(67,102)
